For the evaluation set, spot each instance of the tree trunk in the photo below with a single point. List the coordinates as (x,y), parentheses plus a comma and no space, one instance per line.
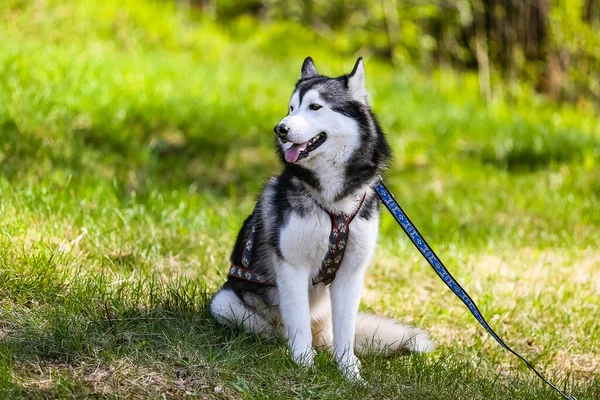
(481,50)
(592,13)
(392,22)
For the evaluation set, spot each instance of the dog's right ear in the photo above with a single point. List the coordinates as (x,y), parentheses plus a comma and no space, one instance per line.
(355,81)
(308,68)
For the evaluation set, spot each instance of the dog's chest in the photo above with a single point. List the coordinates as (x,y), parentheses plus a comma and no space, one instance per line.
(305,240)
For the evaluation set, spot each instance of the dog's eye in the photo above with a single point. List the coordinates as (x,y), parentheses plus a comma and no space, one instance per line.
(291,108)
(314,107)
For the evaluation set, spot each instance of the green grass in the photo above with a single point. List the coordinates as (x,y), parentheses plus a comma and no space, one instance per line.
(133,141)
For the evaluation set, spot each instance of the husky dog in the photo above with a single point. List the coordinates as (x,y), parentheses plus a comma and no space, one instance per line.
(300,258)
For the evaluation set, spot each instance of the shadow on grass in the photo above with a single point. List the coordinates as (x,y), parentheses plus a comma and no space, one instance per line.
(175,348)
(58,352)
(530,149)
(205,162)
(72,334)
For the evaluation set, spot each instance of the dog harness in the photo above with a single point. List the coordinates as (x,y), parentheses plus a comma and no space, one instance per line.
(338,238)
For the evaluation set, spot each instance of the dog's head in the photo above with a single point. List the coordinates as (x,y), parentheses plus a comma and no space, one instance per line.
(324,118)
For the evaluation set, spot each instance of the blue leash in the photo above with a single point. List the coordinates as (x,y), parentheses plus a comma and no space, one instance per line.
(388,200)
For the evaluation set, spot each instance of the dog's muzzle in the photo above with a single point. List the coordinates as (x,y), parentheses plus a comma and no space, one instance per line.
(281,130)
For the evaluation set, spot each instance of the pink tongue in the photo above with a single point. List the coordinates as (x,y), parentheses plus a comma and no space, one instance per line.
(292,154)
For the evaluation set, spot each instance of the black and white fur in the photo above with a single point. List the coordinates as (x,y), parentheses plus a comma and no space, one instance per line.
(292,229)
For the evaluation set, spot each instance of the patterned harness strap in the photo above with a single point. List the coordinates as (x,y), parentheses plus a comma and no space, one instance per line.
(245,271)
(338,238)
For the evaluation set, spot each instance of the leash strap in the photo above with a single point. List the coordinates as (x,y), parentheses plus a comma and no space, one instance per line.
(411,231)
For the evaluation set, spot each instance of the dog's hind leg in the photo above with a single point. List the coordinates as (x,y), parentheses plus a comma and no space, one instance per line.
(228,309)
(320,317)
(322,332)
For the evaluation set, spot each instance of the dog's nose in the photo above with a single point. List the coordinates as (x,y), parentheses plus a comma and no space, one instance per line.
(281,130)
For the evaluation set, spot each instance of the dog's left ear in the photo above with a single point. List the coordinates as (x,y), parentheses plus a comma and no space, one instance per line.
(308,69)
(355,81)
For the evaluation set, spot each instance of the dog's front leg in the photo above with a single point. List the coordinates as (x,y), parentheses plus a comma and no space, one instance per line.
(345,299)
(292,285)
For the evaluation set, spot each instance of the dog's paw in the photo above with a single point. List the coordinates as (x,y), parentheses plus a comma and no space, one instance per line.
(305,359)
(350,368)
(355,377)
(420,342)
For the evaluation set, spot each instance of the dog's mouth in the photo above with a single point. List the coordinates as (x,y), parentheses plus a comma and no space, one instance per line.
(298,151)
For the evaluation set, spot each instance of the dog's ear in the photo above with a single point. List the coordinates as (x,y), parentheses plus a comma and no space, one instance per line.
(355,81)
(308,68)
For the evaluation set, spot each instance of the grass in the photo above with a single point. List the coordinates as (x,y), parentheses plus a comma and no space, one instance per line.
(133,140)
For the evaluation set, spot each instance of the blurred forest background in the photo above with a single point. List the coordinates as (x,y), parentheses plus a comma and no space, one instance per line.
(553,45)
(135,136)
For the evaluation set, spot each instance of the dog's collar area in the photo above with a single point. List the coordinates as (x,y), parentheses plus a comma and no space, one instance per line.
(358,199)
(338,239)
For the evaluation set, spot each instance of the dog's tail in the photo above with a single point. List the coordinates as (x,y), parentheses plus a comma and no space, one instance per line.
(375,333)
